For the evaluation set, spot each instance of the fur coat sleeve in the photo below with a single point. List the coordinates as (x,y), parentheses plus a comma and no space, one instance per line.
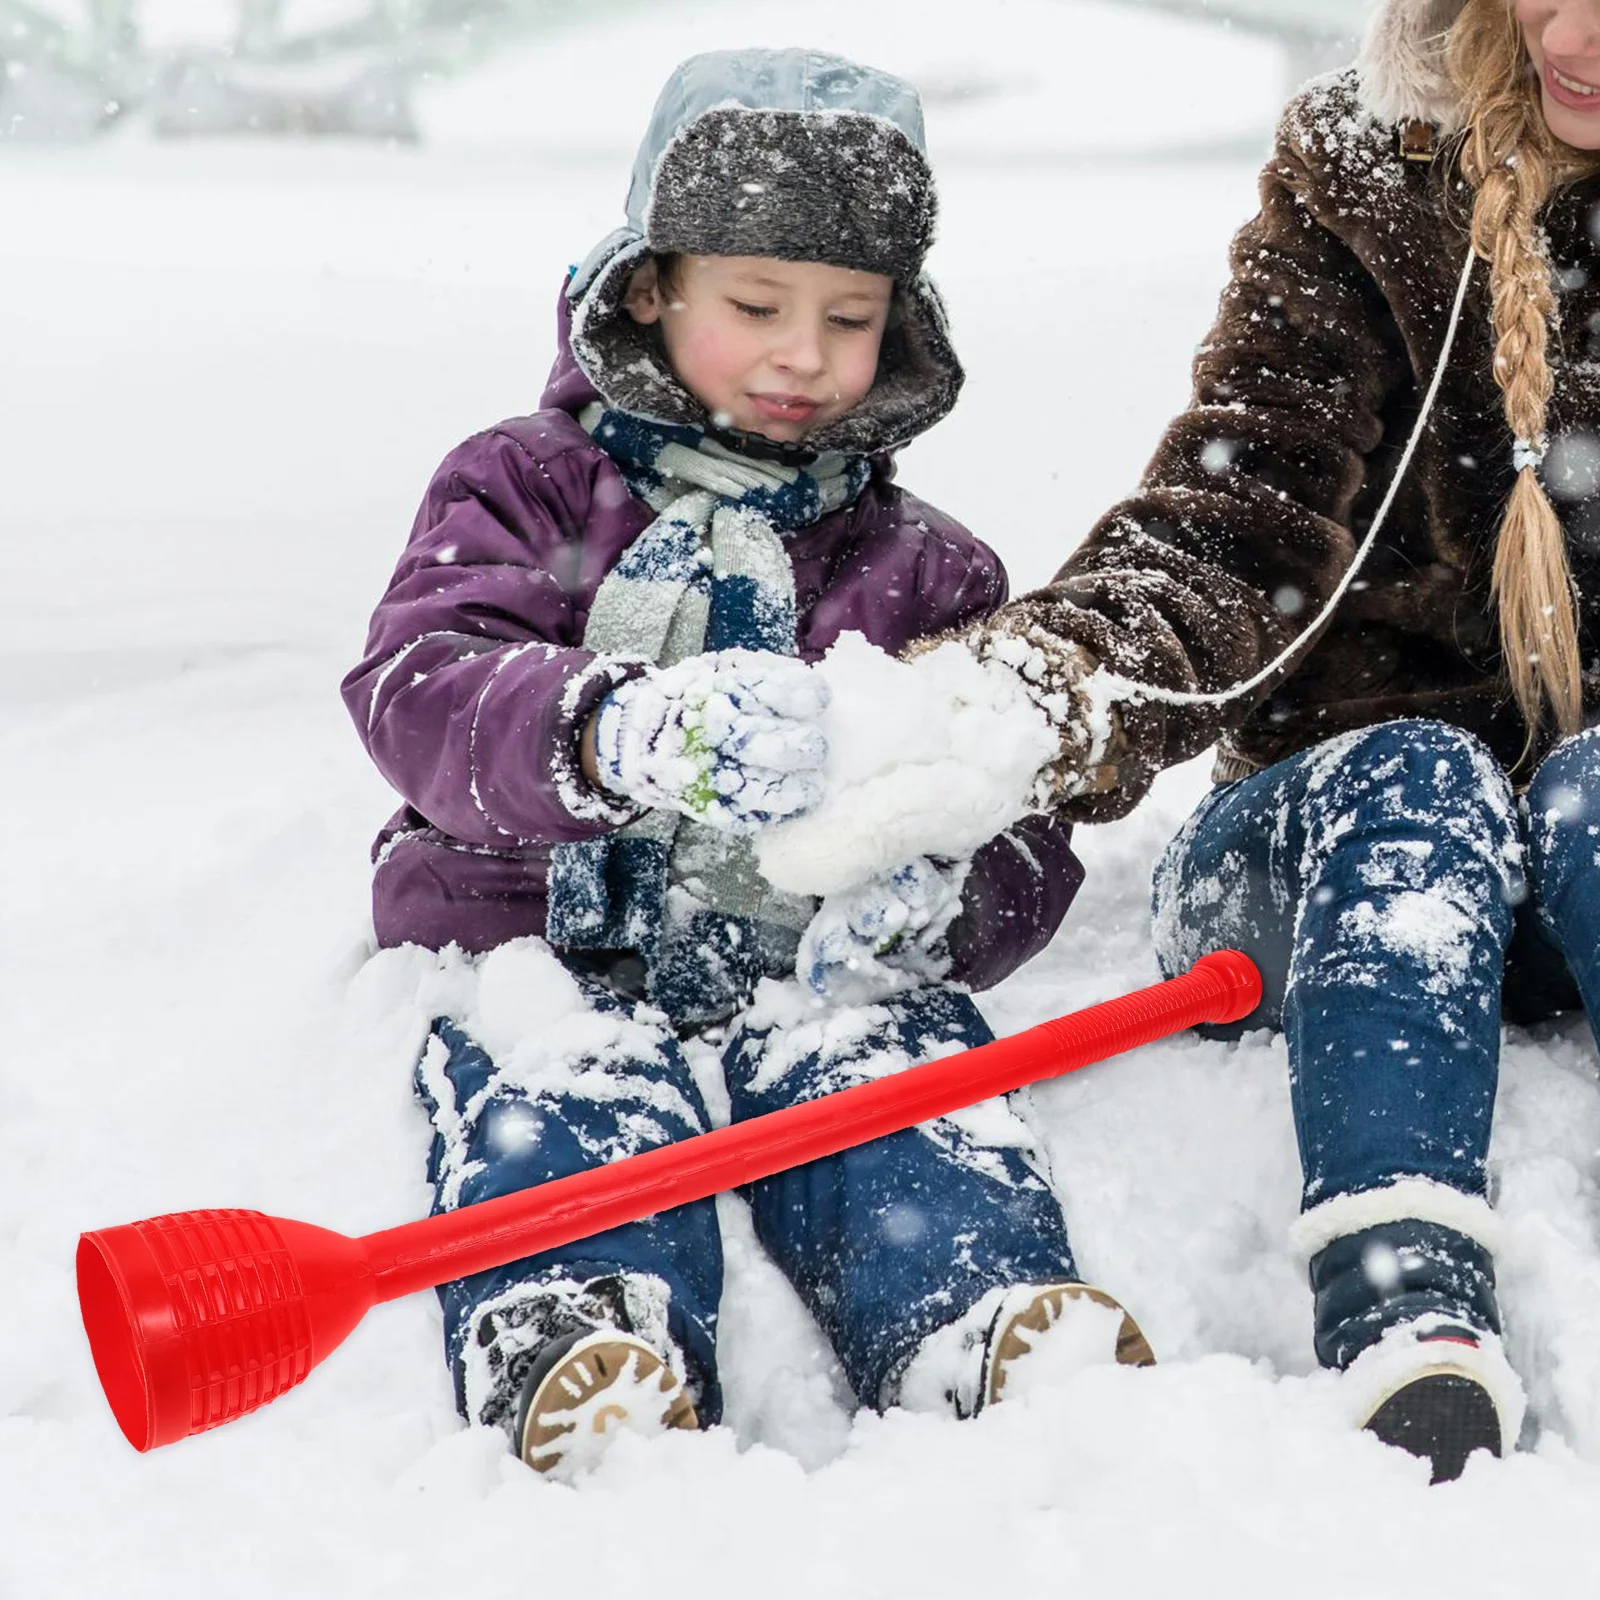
(1241,525)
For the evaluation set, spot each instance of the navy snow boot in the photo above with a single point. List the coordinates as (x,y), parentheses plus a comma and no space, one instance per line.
(1407,1310)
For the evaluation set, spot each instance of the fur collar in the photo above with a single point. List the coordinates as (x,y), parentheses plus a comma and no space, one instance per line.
(1401,66)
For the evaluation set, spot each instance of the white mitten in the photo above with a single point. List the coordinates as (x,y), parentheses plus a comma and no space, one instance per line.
(729,738)
(884,936)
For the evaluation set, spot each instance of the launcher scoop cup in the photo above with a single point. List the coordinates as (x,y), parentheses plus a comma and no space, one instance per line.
(198,1317)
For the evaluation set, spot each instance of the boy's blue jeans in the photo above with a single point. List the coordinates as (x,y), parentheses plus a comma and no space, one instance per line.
(885,1242)
(1392,891)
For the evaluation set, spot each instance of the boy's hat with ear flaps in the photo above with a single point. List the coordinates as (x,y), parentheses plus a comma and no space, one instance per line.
(787,153)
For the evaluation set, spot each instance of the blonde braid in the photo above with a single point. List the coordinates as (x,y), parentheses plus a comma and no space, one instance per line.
(1513,162)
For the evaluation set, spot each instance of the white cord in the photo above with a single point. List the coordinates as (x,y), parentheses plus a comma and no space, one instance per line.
(1120,687)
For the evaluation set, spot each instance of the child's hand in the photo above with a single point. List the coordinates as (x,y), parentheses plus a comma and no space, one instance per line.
(729,738)
(884,936)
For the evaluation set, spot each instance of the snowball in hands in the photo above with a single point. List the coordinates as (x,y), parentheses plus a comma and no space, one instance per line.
(883,936)
(928,757)
(729,738)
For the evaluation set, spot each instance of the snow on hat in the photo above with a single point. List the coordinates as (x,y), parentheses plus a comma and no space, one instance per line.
(787,153)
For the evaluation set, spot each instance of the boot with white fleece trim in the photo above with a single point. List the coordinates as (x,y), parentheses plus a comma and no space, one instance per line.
(1405,1307)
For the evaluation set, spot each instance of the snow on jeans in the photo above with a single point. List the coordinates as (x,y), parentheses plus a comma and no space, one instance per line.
(885,1242)
(1378,881)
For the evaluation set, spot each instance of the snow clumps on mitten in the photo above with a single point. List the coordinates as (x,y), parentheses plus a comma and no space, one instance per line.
(1067,684)
(927,757)
(729,738)
(884,936)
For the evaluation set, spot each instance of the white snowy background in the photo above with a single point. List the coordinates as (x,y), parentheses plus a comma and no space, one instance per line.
(226,372)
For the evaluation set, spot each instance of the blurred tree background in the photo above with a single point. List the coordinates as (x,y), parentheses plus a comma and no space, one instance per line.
(75,68)
(72,69)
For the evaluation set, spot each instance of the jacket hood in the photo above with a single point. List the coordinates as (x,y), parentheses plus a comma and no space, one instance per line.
(787,153)
(1401,68)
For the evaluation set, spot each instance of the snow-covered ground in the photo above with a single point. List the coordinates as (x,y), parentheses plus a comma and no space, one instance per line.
(228,372)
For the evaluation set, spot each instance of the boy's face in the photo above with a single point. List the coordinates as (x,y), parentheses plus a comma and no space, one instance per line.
(772,347)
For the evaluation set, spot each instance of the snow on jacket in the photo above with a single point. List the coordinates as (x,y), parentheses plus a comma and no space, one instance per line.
(1305,393)
(474,687)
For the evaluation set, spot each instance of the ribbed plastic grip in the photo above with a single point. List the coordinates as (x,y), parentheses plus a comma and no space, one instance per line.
(218,1315)
(1220,988)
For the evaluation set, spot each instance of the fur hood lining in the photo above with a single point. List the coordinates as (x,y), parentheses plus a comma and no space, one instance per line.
(1401,67)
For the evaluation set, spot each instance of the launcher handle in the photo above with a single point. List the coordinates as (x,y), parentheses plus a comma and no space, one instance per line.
(1224,987)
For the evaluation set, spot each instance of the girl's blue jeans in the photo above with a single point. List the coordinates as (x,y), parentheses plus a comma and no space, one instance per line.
(885,1242)
(1393,893)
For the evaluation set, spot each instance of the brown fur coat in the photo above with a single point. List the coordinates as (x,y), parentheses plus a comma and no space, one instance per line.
(1304,396)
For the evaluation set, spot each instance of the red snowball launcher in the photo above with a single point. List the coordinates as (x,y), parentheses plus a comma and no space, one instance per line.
(198,1317)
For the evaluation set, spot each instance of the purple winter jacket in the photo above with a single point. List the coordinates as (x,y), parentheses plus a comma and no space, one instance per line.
(475,686)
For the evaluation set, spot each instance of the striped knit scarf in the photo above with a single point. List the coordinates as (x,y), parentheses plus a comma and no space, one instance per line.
(710,573)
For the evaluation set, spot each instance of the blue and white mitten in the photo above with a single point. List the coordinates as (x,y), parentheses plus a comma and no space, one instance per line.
(729,738)
(884,936)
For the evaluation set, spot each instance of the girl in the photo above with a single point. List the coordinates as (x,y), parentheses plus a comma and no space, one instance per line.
(589,682)
(1363,562)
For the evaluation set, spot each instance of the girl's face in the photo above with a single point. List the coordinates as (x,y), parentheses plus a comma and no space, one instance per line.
(1563,38)
(768,346)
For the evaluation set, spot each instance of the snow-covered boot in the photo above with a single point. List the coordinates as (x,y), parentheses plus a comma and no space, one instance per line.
(1098,1327)
(967,1364)
(1405,1308)
(1438,1391)
(565,1366)
(583,1390)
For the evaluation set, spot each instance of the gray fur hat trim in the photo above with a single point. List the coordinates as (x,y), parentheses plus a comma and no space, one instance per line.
(918,378)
